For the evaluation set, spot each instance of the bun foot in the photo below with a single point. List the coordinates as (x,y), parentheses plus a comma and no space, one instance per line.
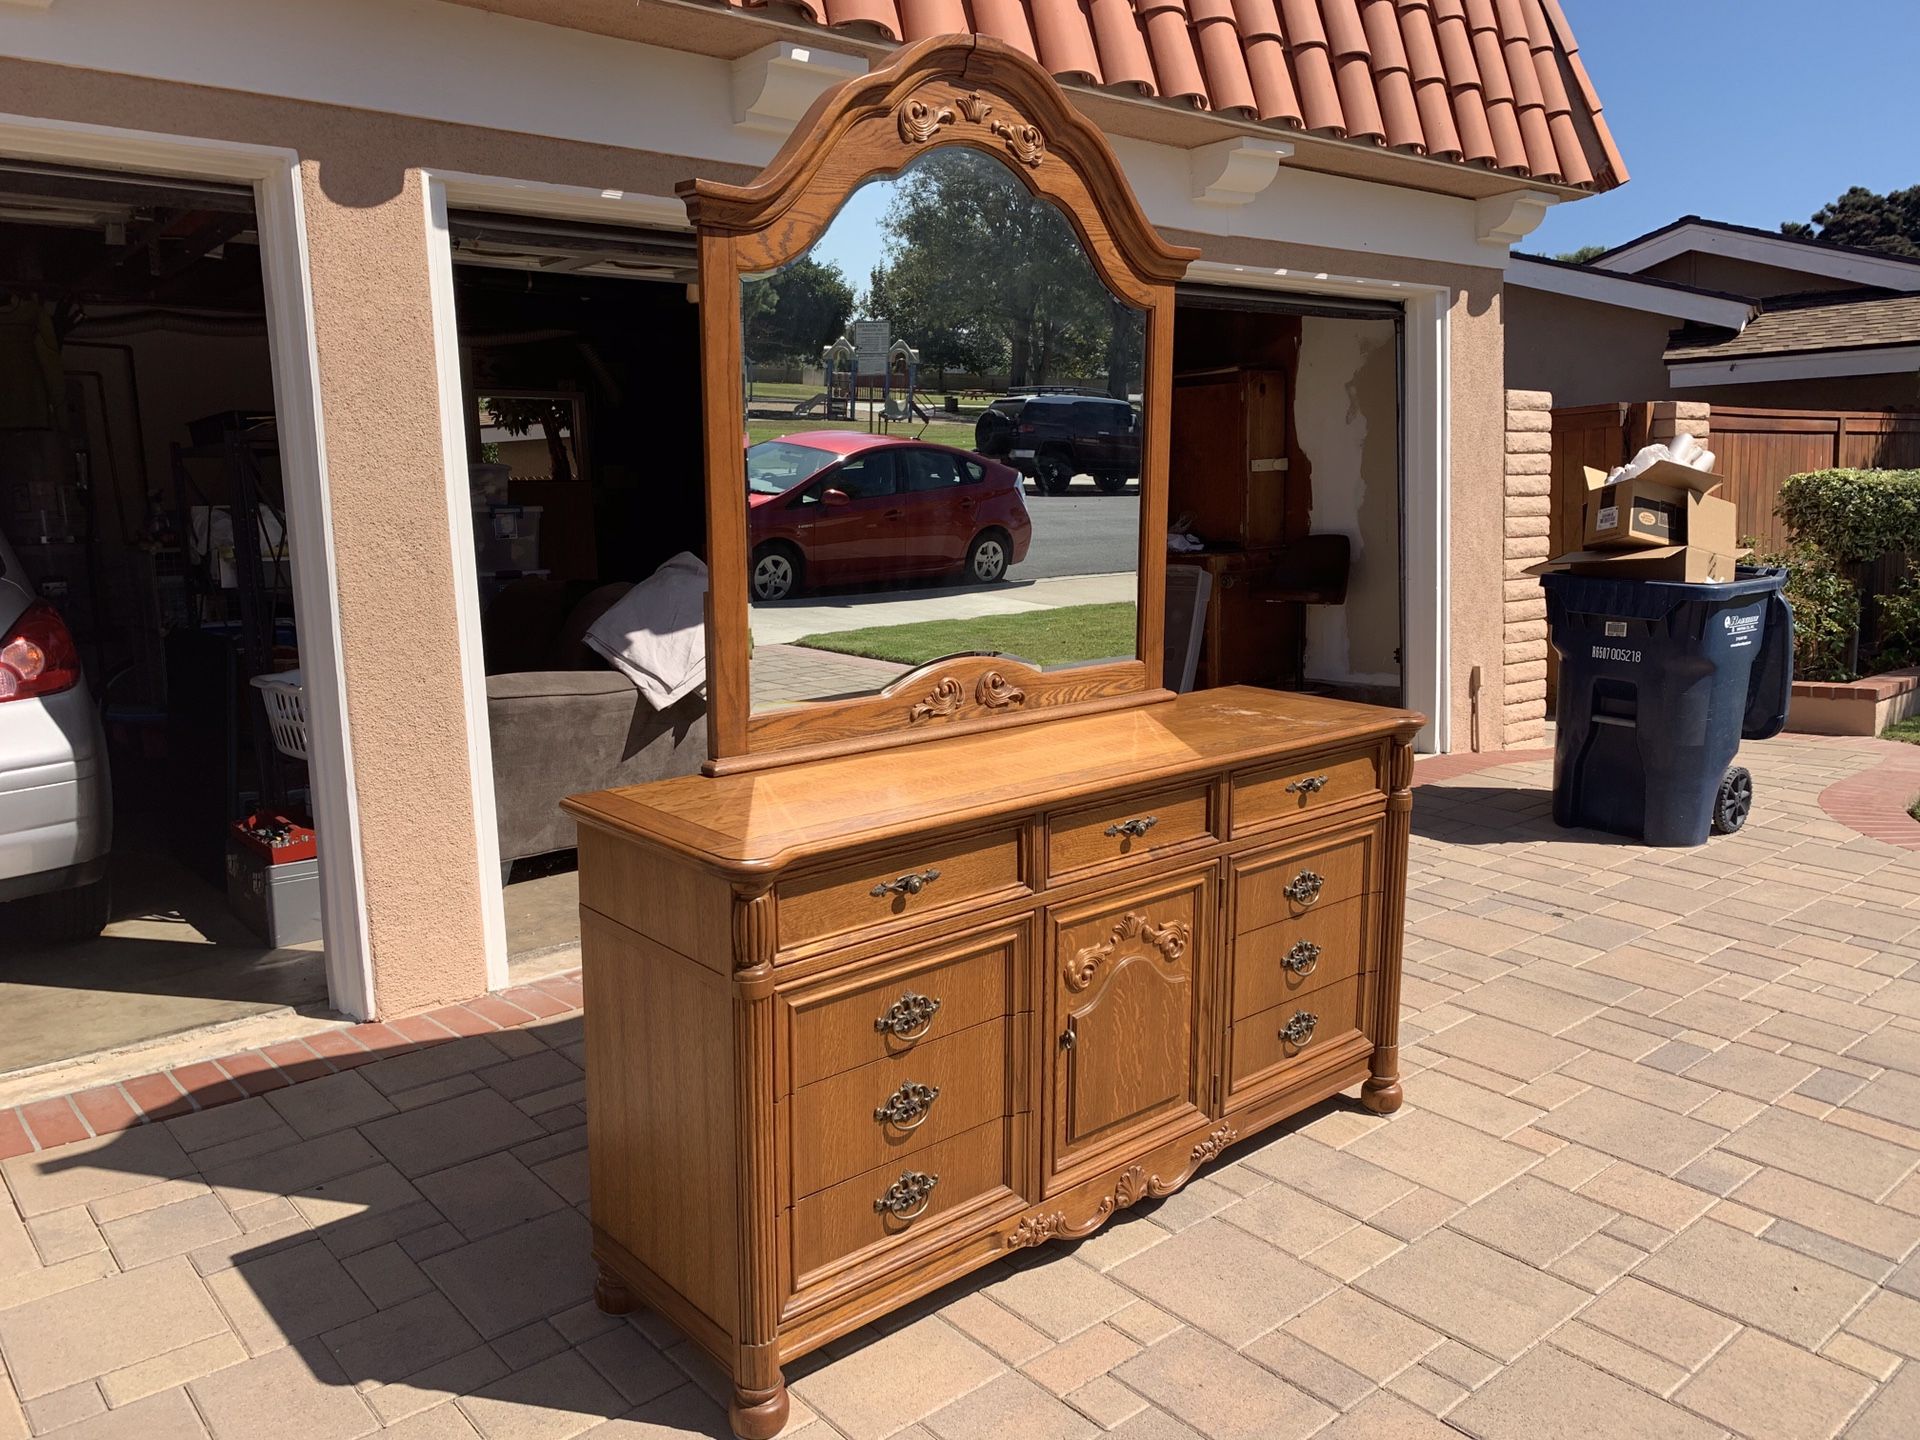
(758,1414)
(610,1293)
(1382,1097)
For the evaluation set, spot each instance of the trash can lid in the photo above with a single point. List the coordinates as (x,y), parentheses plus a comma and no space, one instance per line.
(1653,599)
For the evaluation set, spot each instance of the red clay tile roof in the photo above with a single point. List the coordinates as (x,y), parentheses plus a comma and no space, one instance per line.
(1496,83)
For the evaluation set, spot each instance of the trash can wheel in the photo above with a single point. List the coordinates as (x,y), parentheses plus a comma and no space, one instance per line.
(1735,799)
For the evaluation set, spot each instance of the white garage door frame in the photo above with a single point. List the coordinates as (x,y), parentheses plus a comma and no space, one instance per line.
(1426,458)
(280,220)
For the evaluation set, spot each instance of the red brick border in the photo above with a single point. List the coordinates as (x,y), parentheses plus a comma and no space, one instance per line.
(1875,801)
(204,1084)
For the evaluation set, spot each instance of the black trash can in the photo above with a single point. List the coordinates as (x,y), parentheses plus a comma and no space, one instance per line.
(1659,683)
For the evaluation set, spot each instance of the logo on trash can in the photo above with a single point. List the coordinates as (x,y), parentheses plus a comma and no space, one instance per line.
(1741,624)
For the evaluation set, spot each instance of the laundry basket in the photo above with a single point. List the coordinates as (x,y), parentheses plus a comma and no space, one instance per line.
(286,704)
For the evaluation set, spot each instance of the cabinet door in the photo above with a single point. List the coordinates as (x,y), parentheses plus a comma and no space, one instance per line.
(1128,988)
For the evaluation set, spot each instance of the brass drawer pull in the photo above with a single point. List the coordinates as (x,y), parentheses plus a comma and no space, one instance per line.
(908,1107)
(1299,1030)
(908,1197)
(1303,958)
(1132,829)
(1308,785)
(905,885)
(909,1017)
(1304,888)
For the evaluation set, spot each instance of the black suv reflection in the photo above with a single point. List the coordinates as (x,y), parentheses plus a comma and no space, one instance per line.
(1052,438)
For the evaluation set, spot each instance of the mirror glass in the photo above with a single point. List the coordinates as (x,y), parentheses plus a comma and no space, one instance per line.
(943,440)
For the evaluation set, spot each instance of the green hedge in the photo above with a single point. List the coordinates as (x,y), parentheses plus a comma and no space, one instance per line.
(1826,611)
(1855,516)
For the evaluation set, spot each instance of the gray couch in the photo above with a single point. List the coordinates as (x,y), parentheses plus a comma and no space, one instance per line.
(562,721)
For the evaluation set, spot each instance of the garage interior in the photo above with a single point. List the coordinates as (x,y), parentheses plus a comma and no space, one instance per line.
(140,490)
(577,346)
(1285,480)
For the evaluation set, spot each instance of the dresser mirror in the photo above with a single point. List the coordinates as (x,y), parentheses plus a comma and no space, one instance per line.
(939,328)
(958,472)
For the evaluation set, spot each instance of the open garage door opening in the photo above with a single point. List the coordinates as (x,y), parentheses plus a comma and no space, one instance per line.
(580,367)
(1285,495)
(158,868)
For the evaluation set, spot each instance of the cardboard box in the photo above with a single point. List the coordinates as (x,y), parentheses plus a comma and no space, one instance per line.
(1691,564)
(1666,504)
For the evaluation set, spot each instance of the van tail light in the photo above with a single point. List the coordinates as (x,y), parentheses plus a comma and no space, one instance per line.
(1027,428)
(37,656)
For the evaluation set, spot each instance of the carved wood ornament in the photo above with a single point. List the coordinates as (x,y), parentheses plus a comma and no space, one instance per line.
(950,90)
(1170,940)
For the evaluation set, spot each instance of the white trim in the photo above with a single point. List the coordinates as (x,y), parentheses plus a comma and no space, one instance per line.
(1503,220)
(1780,252)
(1425,427)
(1232,172)
(1628,293)
(1827,364)
(774,86)
(280,221)
(466,582)
(447,190)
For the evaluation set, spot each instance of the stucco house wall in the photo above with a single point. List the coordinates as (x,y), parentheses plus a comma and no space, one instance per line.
(369,258)
(1583,352)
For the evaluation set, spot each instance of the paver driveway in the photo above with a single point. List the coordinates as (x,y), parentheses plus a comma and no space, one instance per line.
(1655,1177)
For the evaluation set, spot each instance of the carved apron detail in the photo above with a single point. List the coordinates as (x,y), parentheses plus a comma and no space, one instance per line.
(1170,940)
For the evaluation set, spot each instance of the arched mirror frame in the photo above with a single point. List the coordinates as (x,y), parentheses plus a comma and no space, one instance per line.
(953,90)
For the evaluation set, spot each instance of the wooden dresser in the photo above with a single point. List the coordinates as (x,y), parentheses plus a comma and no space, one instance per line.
(859,1025)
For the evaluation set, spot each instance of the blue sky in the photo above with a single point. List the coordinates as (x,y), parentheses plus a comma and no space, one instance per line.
(1751,111)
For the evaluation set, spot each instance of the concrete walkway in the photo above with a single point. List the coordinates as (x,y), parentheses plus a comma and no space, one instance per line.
(785,621)
(1658,1175)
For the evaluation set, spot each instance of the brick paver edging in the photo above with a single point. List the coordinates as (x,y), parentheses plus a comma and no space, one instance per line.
(1875,801)
(205,1084)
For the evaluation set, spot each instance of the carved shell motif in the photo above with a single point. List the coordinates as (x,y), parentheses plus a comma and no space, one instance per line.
(943,702)
(920,120)
(1170,940)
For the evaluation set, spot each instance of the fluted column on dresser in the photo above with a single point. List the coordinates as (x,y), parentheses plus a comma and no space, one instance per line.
(1381,1093)
(759,1407)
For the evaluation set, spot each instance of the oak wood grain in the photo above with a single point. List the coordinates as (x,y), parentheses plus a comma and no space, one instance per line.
(1078,840)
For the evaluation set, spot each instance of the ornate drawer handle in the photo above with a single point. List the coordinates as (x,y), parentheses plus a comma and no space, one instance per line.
(1308,785)
(908,1107)
(905,885)
(1299,1030)
(909,1017)
(1133,829)
(908,1197)
(1303,958)
(1304,888)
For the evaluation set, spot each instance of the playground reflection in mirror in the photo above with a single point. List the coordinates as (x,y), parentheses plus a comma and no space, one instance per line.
(943,440)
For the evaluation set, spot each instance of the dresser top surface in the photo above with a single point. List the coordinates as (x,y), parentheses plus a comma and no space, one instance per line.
(765,819)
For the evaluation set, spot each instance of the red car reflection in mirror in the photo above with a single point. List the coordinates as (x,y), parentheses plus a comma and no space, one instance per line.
(842,507)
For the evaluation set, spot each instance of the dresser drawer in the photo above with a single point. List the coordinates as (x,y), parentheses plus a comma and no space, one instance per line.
(1278,962)
(1285,792)
(894,1109)
(918,881)
(1130,827)
(884,1205)
(1285,884)
(1263,1047)
(896,1009)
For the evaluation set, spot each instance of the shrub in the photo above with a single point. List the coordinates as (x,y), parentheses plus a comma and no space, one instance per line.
(1899,638)
(1855,516)
(1826,610)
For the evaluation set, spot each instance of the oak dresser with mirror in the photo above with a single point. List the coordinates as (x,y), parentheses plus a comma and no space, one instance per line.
(971,935)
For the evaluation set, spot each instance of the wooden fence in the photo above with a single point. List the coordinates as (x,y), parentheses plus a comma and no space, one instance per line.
(1758,449)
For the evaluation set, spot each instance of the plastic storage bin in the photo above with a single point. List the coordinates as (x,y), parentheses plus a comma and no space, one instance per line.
(1659,683)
